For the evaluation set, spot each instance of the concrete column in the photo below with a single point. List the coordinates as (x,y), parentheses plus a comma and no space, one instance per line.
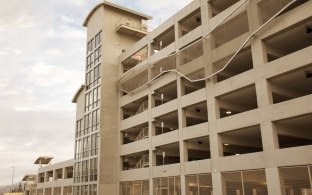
(217,183)
(209,7)
(177,31)
(253,15)
(213,115)
(205,15)
(263,89)
(264,99)
(149,53)
(183,185)
(258,50)
(207,55)
(182,145)
(184,152)
(216,149)
(273,181)
(64,173)
(63,177)
(177,34)
(151,186)
(151,133)
(181,114)
(264,96)
(212,104)
(269,136)
(54,176)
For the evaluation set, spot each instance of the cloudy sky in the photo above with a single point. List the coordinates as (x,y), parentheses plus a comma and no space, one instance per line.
(42,47)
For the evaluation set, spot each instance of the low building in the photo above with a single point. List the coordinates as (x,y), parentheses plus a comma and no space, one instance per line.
(56,179)
(29,184)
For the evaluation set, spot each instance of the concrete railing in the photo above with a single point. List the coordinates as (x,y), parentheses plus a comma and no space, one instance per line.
(132,24)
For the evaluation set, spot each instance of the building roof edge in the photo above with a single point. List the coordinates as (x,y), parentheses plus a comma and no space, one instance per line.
(147,17)
(74,100)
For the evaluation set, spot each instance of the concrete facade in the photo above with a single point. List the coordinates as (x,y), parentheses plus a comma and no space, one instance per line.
(97,131)
(216,100)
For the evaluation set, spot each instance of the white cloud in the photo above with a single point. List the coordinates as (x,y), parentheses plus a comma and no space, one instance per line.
(69,33)
(162,4)
(25,21)
(29,144)
(77,3)
(42,58)
(5,53)
(3,146)
(67,19)
(54,52)
(10,52)
(42,74)
(15,15)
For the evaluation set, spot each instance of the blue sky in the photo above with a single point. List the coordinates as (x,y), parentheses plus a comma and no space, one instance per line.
(42,50)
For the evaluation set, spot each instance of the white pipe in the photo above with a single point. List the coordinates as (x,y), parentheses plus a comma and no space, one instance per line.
(246,41)
(147,64)
(225,66)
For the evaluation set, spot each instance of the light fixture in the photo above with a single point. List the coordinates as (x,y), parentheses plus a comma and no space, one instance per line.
(236,154)
(198,19)
(228,112)
(226,144)
(309,29)
(308,73)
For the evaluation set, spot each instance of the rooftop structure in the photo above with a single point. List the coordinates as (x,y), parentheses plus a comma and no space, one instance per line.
(43,160)
(29,178)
